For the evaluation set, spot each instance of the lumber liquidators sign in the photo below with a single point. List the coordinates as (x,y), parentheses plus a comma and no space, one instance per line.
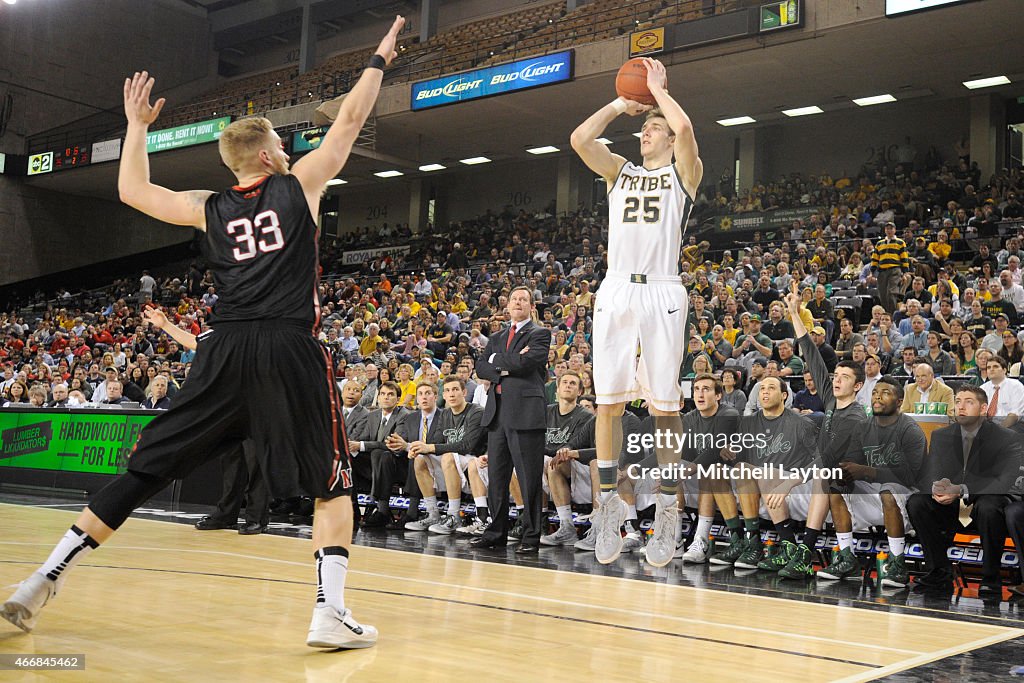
(495,80)
(187,135)
(69,441)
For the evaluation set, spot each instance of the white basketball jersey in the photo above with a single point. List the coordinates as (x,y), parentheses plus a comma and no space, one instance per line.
(647,214)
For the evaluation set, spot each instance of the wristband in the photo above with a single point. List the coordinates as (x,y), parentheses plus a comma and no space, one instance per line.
(376,62)
(619,105)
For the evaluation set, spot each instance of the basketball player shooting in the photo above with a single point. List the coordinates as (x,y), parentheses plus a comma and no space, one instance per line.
(261,243)
(642,299)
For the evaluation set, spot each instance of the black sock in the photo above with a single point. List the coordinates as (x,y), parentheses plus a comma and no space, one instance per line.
(811,537)
(785,530)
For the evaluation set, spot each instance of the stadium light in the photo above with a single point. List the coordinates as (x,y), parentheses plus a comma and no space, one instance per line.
(10,2)
(604,141)
(876,99)
(736,121)
(388,174)
(987,82)
(433,167)
(475,160)
(336,181)
(546,149)
(802,111)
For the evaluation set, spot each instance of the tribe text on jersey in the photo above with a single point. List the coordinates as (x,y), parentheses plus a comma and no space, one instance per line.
(647,213)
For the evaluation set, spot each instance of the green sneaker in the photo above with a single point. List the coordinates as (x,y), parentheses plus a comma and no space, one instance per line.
(800,565)
(894,572)
(737,546)
(843,566)
(777,557)
(752,554)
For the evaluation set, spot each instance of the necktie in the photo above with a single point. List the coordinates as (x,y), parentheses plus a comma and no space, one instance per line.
(993,403)
(423,431)
(968,441)
(511,334)
(383,429)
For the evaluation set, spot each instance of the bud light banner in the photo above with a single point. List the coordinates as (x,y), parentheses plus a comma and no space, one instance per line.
(494,80)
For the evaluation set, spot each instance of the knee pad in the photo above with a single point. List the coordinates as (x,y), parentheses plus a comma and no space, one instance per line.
(115,501)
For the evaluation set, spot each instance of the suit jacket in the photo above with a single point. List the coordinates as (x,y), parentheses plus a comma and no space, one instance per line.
(940,393)
(521,377)
(373,419)
(356,423)
(411,423)
(992,466)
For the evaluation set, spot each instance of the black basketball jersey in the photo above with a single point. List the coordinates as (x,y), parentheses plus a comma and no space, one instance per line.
(261,244)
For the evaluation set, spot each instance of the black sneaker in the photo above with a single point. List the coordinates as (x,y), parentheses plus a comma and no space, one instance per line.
(516,532)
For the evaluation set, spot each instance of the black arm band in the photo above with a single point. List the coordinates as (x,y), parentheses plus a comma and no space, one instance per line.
(376,62)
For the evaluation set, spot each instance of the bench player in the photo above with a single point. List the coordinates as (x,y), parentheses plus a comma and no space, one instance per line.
(642,300)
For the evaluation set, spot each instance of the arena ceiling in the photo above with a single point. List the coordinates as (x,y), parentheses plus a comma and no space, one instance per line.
(922,57)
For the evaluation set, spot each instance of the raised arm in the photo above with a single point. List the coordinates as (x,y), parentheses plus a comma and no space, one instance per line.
(596,156)
(158,319)
(688,163)
(323,163)
(133,184)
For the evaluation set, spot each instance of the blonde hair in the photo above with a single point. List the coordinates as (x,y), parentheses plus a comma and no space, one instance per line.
(656,113)
(242,139)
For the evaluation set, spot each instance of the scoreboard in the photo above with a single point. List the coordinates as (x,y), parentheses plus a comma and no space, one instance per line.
(69,157)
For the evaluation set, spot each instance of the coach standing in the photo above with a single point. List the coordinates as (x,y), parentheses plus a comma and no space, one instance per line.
(891,263)
(515,362)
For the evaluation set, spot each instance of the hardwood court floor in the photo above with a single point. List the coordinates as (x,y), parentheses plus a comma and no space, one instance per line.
(162,602)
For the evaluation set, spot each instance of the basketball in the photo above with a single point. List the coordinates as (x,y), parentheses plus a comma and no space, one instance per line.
(631,82)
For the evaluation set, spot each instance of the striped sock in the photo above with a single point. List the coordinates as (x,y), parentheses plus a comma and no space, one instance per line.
(608,471)
(74,545)
(331,570)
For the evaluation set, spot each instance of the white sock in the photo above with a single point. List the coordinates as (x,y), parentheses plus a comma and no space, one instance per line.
(631,512)
(704,528)
(845,540)
(431,502)
(480,502)
(454,505)
(564,515)
(897,545)
(72,547)
(667,499)
(331,570)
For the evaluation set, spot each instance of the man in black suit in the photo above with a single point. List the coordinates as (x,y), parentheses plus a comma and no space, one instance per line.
(243,481)
(984,479)
(386,465)
(515,362)
(356,418)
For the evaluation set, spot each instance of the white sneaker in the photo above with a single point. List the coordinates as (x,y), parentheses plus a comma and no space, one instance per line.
(423,524)
(632,542)
(565,535)
(474,529)
(697,553)
(662,545)
(23,607)
(448,525)
(588,542)
(339,630)
(609,520)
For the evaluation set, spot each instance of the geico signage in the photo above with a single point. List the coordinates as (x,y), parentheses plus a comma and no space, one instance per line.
(527,73)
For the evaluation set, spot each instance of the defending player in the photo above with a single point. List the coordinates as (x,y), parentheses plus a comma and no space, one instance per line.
(261,373)
(642,300)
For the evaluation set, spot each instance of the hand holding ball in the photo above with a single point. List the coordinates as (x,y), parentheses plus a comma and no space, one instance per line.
(631,82)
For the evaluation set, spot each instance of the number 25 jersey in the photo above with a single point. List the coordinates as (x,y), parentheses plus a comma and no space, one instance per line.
(647,214)
(261,244)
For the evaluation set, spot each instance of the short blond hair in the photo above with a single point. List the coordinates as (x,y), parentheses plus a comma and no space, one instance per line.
(656,113)
(242,139)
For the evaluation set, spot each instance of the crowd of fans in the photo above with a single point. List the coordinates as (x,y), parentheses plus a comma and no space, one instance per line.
(958,245)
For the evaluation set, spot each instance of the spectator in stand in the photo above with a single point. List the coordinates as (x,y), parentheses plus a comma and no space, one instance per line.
(158,397)
(822,310)
(847,339)
(942,362)
(978,323)
(146,286)
(891,265)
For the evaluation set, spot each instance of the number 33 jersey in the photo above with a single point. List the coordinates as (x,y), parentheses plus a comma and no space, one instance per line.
(261,244)
(647,213)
